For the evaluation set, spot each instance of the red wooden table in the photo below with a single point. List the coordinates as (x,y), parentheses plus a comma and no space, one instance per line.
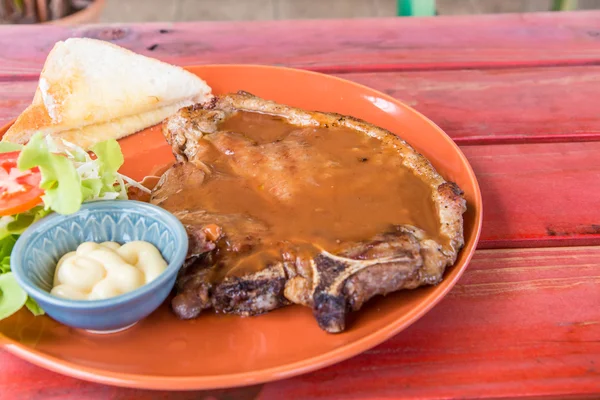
(520,94)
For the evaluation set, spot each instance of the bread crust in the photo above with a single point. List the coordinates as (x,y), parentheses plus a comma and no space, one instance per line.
(91,90)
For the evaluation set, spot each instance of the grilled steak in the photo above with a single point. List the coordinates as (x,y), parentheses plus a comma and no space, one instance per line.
(288,206)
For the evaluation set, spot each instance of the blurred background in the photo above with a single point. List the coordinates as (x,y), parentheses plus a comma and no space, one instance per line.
(85,11)
(190,10)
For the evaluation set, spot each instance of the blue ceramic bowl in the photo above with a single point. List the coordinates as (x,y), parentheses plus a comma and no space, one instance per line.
(38,249)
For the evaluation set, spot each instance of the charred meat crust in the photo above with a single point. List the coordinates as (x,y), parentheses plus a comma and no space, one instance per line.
(333,284)
(248,296)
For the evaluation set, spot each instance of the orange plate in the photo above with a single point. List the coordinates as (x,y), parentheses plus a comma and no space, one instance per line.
(216,351)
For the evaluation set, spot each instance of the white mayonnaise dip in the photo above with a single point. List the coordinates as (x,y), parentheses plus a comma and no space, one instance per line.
(98,271)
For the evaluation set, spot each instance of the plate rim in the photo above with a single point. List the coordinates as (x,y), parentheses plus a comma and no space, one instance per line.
(254,377)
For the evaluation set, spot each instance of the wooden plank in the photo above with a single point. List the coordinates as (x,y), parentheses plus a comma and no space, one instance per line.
(500,106)
(14,98)
(472,106)
(538,194)
(543,194)
(389,44)
(521,322)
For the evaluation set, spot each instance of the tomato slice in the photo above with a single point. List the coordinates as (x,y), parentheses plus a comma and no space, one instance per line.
(19,190)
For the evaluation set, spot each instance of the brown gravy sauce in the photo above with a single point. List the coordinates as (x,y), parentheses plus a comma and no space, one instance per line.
(314,188)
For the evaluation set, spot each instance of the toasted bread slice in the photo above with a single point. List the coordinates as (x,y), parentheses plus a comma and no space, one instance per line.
(90,90)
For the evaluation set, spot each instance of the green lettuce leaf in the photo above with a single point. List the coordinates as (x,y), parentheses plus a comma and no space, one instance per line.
(12,297)
(5,265)
(6,301)
(110,159)
(7,147)
(34,307)
(16,224)
(70,176)
(60,180)
(73,177)
(6,246)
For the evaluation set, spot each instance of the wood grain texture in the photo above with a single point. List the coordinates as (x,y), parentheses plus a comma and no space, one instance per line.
(537,194)
(14,98)
(473,106)
(389,44)
(500,105)
(519,322)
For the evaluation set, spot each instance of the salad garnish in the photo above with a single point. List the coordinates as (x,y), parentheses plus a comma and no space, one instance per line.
(44,176)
